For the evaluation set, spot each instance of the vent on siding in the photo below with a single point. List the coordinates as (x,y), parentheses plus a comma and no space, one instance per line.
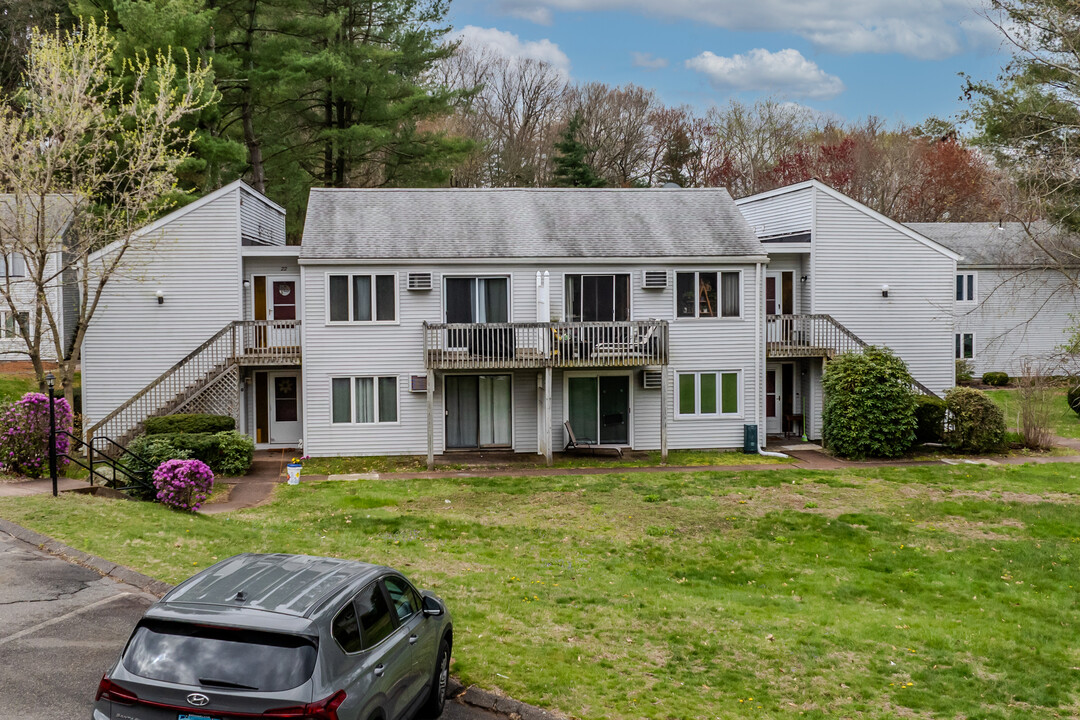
(655,279)
(418,383)
(419,281)
(651,379)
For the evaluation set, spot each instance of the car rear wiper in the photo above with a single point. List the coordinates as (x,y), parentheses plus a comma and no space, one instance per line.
(226,684)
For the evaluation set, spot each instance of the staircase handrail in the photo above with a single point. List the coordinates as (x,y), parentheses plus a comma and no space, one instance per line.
(229,329)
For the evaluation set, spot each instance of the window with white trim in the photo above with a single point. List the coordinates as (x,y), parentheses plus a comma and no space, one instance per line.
(965,346)
(707,393)
(14,265)
(365,400)
(710,294)
(361,298)
(966,287)
(12,323)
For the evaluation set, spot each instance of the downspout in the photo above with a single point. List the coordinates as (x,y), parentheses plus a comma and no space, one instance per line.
(759,354)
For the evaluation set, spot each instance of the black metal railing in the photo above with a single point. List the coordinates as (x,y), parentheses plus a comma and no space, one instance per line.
(130,476)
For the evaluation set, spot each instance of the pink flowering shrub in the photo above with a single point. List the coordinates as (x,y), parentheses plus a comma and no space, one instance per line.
(183,484)
(24,434)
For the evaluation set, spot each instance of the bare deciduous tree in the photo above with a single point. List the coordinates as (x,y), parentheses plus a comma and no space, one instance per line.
(74,138)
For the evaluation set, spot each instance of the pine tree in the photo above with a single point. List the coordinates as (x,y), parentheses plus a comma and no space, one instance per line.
(571,166)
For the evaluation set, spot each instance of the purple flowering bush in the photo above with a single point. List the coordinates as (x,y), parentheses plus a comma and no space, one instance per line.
(183,484)
(24,434)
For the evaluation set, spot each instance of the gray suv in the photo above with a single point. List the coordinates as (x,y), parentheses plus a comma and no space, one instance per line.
(284,636)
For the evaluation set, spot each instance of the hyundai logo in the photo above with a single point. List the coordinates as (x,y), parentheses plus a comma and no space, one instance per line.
(197,699)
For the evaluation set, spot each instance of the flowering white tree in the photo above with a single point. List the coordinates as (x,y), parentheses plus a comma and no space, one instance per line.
(87,156)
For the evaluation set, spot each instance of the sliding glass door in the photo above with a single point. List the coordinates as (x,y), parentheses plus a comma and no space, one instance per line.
(478,411)
(599,408)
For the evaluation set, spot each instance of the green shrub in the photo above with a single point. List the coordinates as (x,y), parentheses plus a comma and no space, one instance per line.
(228,454)
(190,423)
(1074,395)
(996,379)
(930,419)
(964,371)
(977,423)
(869,406)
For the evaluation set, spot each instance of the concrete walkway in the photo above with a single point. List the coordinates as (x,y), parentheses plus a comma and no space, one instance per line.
(255,488)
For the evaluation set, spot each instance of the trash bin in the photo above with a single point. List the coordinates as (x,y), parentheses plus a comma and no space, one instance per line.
(750,446)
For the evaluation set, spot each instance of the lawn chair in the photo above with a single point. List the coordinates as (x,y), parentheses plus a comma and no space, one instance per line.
(638,346)
(574,444)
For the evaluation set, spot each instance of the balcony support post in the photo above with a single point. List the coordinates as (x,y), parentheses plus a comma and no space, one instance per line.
(430,419)
(663,414)
(546,428)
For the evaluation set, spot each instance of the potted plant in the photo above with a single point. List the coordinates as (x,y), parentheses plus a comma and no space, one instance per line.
(293,469)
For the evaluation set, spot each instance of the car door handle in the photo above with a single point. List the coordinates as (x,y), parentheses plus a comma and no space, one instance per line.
(413,639)
(379,670)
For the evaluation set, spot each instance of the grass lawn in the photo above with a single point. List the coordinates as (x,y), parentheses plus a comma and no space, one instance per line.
(14,385)
(1066,422)
(418,463)
(938,591)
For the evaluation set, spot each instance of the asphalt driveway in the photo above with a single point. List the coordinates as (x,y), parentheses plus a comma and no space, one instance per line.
(62,626)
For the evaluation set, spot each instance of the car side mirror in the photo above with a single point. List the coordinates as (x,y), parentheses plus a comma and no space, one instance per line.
(432,606)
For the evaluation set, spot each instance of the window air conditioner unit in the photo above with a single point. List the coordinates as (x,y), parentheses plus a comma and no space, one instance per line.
(654,279)
(419,281)
(652,379)
(418,383)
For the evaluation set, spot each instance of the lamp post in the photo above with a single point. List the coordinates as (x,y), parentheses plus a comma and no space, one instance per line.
(50,380)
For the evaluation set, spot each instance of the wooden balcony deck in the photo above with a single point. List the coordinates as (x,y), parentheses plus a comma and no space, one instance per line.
(267,342)
(508,346)
(800,336)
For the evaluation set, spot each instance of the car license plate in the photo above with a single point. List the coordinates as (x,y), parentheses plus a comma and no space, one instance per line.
(194,717)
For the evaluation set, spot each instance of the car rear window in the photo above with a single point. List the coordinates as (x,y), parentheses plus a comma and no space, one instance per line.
(220,657)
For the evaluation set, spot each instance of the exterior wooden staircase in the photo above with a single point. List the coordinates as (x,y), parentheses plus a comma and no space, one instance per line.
(805,336)
(207,379)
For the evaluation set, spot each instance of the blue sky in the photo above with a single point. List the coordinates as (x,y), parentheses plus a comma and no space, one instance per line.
(897,59)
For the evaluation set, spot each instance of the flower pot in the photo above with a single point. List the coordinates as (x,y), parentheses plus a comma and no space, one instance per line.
(293,470)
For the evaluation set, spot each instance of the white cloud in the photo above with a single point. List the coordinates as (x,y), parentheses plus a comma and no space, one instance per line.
(533,13)
(926,29)
(513,47)
(648,61)
(785,72)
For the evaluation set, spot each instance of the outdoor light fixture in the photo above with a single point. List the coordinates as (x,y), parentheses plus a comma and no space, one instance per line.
(50,379)
(885,291)
(247,284)
(804,278)
(160,297)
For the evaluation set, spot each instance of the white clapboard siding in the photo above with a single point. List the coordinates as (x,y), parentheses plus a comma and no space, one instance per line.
(1020,317)
(854,254)
(194,259)
(779,213)
(397,349)
(261,221)
(23,293)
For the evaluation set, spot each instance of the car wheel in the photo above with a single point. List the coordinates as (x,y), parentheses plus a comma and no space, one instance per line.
(436,700)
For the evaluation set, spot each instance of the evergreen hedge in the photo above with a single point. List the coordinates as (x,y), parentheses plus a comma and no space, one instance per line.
(977,423)
(189,423)
(229,454)
(869,406)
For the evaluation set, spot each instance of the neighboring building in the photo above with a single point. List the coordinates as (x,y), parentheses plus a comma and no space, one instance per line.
(15,273)
(1013,307)
(437,320)
(841,274)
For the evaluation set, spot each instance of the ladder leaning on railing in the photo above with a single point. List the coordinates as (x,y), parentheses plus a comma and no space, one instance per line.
(264,340)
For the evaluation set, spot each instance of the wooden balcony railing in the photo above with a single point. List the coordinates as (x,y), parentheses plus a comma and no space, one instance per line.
(504,346)
(808,336)
(795,336)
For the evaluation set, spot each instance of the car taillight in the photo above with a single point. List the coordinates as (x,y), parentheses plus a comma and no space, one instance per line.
(108,690)
(325,709)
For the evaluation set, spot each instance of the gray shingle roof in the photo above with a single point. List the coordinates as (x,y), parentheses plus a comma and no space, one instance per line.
(987,243)
(524,223)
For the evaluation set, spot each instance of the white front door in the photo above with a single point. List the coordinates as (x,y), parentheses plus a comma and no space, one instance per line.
(286,427)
